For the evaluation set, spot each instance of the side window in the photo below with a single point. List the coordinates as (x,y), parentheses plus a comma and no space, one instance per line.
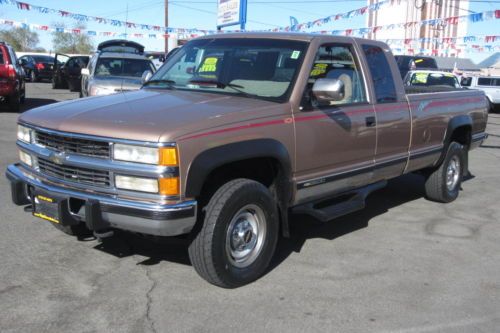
(383,82)
(484,81)
(337,61)
(70,63)
(466,81)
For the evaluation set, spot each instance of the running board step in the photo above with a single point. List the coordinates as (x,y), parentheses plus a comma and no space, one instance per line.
(339,205)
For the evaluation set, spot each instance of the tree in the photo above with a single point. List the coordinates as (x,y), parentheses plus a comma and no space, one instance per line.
(20,38)
(67,42)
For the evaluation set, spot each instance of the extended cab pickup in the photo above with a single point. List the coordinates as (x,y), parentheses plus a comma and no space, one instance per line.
(232,134)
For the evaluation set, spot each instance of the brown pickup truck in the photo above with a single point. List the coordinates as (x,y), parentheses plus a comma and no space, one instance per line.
(235,132)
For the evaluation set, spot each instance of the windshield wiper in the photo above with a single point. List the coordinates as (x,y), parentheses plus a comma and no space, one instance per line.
(170,83)
(222,85)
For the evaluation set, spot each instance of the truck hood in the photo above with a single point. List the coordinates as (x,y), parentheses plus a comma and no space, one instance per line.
(146,115)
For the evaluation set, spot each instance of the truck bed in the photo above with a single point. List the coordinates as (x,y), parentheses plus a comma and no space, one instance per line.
(430,89)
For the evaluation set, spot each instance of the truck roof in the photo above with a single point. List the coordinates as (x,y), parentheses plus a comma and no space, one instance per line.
(295,36)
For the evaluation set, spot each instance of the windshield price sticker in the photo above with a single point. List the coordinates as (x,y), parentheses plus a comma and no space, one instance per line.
(295,55)
(209,65)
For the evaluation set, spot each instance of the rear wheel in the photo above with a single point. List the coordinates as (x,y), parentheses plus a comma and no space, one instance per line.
(238,237)
(15,102)
(55,84)
(71,86)
(443,184)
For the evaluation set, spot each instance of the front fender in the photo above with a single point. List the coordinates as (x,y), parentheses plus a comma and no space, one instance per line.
(211,159)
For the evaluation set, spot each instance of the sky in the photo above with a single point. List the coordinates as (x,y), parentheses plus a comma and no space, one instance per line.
(201,14)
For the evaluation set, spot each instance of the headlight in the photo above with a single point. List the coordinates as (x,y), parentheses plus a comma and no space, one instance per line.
(137,154)
(23,134)
(136,184)
(25,158)
(166,156)
(98,91)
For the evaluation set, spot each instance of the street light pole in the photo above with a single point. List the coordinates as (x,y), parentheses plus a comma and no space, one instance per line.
(166,25)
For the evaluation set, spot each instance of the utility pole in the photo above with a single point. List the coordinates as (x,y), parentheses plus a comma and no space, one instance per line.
(166,25)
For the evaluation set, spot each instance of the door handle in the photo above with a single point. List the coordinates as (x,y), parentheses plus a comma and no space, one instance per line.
(370,121)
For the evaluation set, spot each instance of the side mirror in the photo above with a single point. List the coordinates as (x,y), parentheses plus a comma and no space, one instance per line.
(328,90)
(146,76)
(85,71)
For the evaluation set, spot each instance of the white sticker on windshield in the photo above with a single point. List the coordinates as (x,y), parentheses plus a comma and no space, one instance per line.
(295,55)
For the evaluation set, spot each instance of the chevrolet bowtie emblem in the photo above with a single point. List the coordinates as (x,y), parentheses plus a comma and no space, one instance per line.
(57,158)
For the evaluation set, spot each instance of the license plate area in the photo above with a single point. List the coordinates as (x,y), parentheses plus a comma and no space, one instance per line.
(46,208)
(52,208)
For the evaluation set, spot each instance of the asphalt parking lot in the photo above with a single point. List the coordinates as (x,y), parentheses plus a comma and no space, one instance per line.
(403,264)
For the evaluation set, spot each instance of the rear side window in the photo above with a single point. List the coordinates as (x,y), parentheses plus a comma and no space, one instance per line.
(2,50)
(483,81)
(383,82)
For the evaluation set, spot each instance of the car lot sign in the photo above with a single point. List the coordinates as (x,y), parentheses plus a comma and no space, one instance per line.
(231,12)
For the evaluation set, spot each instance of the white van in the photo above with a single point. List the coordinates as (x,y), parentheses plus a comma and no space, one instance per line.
(489,84)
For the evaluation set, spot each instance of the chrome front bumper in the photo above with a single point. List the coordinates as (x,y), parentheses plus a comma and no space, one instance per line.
(143,217)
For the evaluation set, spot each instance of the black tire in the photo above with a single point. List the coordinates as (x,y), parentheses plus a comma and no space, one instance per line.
(492,107)
(54,84)
(15,102)
(210,248)
(438,186)
(79,230)
(71,86)
(23,97)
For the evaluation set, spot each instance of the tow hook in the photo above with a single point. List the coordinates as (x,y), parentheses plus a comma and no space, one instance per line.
(102,234)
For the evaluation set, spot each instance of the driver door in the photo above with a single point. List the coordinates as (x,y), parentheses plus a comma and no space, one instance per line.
(335,142)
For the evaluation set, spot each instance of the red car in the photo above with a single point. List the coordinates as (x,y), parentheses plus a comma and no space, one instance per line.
(12,78)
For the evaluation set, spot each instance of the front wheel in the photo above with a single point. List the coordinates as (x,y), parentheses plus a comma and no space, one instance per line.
(238,236)
(443,184)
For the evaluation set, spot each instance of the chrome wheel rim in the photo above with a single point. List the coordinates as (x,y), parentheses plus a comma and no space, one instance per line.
(245,236)
(453,173)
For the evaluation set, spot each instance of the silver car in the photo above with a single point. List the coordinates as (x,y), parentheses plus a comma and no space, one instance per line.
(117,66)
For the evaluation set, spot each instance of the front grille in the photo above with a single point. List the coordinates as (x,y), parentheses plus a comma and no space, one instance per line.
(73,145)
(74,174)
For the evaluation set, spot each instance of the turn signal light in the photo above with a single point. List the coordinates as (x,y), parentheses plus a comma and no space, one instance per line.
(169,186)
(168,156)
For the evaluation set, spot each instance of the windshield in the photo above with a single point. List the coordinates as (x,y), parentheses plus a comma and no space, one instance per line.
(122,67)
(434,79)
(258,68)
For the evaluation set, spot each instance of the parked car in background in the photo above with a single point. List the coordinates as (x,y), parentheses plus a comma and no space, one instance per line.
(490,85)
(67,71)
(424,78)
(117,66)
(407,63)
(37,67)
(157,58)
(12,78)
